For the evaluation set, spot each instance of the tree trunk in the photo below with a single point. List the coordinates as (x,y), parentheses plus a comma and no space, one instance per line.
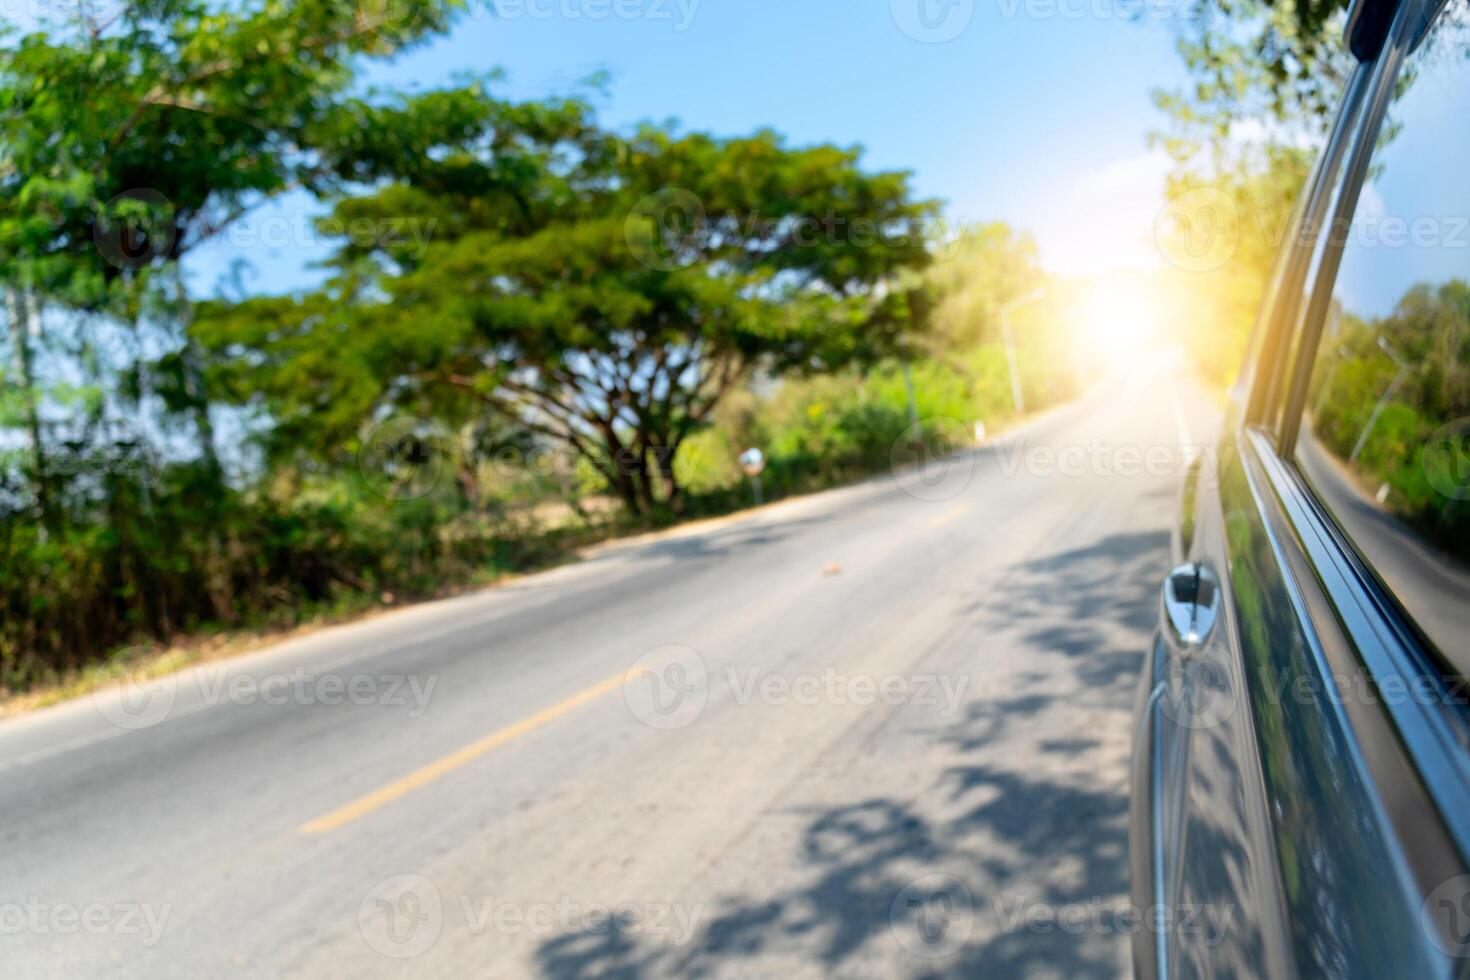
(675,493)
(18,313)
(467,480)
(191,358)
(643,481)
(623,469)
(628,491)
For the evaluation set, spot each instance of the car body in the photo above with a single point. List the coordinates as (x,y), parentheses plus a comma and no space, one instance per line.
(1301,776)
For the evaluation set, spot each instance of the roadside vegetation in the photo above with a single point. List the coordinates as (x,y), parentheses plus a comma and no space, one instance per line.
(534,332)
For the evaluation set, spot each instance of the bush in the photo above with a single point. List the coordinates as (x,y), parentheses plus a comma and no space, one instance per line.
(183,558)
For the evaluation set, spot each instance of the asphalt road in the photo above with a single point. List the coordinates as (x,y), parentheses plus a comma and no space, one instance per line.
(881,731)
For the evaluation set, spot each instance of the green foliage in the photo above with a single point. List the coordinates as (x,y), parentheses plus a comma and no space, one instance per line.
(201,109)
(123,144)
(1221,300)
(142,571)
(1430,331)
(986,267)
(541,310)
(829,428)
(605,292)
(1276,66)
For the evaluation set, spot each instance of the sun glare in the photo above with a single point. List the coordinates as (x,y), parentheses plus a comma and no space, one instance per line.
(1120,318)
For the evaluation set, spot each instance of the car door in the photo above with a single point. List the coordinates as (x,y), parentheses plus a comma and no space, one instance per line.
(1302,769)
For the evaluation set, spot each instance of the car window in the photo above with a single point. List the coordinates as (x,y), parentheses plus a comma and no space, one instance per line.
(1286,299)
(1385,431)
(1316,234)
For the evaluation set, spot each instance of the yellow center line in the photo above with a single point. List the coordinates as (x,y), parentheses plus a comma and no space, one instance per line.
(951,515)
(460,757)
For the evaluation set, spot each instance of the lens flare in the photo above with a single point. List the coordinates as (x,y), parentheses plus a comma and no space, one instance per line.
(1121,318)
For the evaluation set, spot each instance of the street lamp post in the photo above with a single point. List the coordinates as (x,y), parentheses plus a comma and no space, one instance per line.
(1393,389)
(1005,332)
(908,384)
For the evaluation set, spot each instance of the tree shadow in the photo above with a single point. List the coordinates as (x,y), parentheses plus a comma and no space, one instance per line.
(1020,822)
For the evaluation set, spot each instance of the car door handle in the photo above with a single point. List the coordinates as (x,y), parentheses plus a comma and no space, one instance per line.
(1191,604)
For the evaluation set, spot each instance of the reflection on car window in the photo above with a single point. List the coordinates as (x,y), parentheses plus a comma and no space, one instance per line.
(1313,235)
(1385,440)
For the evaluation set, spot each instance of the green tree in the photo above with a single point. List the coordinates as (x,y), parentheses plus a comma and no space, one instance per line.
(1235,231)
(1272,66)
(983,269)
(126,143)
(605,292)
(1380,414)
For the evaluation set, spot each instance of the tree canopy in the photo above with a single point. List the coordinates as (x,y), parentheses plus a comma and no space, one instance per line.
(1261,69)
(605,291)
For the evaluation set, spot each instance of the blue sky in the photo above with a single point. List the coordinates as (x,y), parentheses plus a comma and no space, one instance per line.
(1033,112)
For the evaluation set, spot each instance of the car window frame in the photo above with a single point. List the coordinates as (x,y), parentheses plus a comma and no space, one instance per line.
(1280,317)
(1387,644)
(1386,70)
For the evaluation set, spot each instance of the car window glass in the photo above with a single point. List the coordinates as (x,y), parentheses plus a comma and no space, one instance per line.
(1385,433)
(1308,240)
(1316,234)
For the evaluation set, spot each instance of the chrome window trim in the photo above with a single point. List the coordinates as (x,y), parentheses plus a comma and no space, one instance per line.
(1385,74)
(1280,317)
(1156,828)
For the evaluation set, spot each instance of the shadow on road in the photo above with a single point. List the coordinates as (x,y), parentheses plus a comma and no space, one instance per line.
(1022,813)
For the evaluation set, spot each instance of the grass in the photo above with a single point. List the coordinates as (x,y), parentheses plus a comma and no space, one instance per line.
(561,541)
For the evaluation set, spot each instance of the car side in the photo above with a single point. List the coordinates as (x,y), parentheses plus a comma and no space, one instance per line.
(1301,780)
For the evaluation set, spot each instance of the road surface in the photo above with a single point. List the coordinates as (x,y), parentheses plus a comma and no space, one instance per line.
(877,732)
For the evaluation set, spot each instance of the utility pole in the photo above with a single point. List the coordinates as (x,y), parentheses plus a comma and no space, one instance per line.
(20,309)
(190,358)
(1377,413)
(908,383)
(1005,332)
